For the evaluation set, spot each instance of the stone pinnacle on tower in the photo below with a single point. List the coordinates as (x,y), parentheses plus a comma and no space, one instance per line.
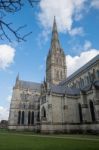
(17,78)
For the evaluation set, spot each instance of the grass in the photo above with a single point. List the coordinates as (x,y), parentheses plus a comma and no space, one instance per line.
(16,141)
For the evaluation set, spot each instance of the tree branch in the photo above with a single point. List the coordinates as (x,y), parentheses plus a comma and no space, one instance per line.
(19,38)
(12,6)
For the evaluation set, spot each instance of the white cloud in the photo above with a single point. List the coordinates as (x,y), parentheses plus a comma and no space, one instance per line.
(95,4)
(7,54)
(76,31)
(77,47)
(65,11)
(43,35)
(4,110)
(74,63)
(78,16)
(87,45)
(4,113)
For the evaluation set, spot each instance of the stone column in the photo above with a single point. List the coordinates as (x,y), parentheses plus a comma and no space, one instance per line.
(26,118)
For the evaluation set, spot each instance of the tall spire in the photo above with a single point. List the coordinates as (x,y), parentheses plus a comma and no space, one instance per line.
(55,44)
(55,63)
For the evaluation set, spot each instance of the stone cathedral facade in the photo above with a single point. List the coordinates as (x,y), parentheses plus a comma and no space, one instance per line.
(60,104)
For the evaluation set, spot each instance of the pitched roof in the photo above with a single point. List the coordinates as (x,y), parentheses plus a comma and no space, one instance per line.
(29,85)
(58,89)
(64,90)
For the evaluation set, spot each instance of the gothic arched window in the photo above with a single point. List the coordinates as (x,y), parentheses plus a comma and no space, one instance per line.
(80,113)
(89,74)
(32,119)
(81,82)
(22,117)
(43,112)
(92,110)
(19,117)
(94,74)
(38,116)
(98,74)
(88,81)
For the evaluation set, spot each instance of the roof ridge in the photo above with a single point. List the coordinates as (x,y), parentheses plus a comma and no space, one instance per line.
(29,81)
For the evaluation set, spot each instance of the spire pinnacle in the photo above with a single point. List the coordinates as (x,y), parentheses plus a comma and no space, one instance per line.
(55,40)
(54,24)
(17,81)
(17,78)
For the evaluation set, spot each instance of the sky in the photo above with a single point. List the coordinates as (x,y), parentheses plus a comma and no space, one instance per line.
(78,27)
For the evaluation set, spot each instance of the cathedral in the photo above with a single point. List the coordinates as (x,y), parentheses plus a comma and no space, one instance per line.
(60,104)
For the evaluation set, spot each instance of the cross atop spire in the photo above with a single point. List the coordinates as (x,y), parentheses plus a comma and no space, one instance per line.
(55,44)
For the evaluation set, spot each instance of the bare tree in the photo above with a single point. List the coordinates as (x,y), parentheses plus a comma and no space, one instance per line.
(12,6)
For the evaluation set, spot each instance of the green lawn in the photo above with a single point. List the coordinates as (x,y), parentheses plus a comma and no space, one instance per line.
(14,141)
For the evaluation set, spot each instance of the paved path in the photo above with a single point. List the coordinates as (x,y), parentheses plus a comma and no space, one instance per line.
(58,136)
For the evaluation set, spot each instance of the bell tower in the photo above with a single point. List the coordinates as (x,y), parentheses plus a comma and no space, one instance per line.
(56,62)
